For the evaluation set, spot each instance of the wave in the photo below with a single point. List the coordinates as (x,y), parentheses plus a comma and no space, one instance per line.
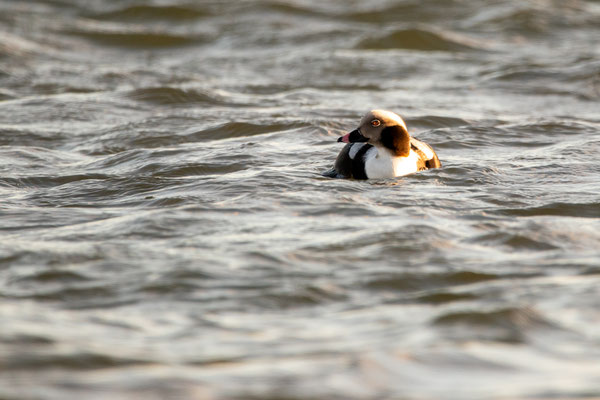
(129,140)
(15,46)
(140,39)
(419,39)
(170,95)
(145,12)
(190,169)
(230,130)
(537,18)
(50,181)
(582,210)
(436,121)
(75,361)
(420,281)
(514,241)
(404,11)
(509,324)
(133,36)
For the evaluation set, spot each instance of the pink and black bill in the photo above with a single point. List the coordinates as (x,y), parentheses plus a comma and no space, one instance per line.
(353,137)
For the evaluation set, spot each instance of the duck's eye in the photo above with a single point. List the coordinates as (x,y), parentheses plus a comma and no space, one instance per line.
(375,123)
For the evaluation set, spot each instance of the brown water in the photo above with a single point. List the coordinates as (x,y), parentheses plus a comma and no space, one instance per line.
(165,232)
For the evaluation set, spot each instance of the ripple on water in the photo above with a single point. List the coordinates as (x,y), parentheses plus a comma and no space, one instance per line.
(173,96)
(130,140)
(77,361)
(582,210)
(53,275)
(386,13)
(419,39)
(436,121)
(514,241)
(229,130)
(50,181)
(152,12)
(510,325)
(536,18)
(416,281)
(133,37)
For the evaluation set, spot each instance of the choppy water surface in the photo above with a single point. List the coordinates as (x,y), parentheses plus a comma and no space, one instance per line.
(165,231)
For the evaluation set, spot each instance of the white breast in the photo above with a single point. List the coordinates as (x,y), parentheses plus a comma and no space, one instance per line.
(380,164)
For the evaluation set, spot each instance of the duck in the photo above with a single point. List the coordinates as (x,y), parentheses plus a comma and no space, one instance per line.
(381,148)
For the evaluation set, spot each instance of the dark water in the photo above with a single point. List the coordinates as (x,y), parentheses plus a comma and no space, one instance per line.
(165,232)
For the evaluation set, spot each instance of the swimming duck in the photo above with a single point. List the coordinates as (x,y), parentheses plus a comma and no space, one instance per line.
(382,148)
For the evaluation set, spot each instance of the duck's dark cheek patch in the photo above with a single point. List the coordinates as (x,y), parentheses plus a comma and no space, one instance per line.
(396,138)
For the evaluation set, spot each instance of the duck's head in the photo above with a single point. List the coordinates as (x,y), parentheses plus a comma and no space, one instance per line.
(381,128)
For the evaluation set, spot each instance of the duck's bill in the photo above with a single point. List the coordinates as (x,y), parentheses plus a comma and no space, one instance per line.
(352,137)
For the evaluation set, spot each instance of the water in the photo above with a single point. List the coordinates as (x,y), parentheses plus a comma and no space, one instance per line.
(165,231)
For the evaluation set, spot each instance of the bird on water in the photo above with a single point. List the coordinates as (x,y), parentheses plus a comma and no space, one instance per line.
(382,148)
